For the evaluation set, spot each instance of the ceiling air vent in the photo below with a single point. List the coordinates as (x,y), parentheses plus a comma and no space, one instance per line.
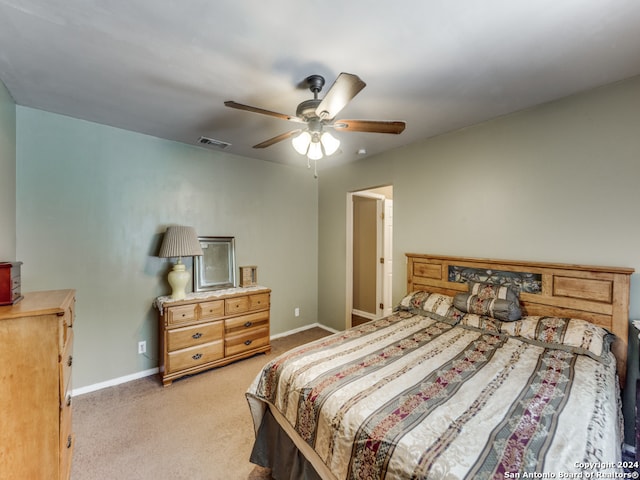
(211,142)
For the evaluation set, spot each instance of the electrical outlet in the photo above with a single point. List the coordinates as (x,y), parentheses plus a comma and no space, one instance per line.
(296,312)
(142,347)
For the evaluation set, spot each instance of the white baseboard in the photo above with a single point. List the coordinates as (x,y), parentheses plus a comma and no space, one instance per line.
(302,329)
(152,371)
(367,315)
(113,382)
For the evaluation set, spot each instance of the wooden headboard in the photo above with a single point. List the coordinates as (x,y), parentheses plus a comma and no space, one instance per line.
(597,294)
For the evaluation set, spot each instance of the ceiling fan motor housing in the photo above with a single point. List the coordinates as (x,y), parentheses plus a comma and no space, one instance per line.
(307,109)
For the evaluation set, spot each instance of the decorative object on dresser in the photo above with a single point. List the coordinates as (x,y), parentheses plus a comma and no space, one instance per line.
(211,329)
(179,241)
(216,268)
(36,346)
(248,276)
(10,283)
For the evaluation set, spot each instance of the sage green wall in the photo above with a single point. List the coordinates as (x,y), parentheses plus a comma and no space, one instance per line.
(7,175)
(93,202)
(554,183)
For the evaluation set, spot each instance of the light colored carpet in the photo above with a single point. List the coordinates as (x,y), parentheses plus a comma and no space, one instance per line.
(199,428)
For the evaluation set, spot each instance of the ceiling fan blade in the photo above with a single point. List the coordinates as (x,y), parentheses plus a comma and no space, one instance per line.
(372,126)
(346,86)
(262,111)
(276,139)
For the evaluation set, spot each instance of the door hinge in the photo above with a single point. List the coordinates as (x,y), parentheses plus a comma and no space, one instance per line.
(382,306)
(381,259)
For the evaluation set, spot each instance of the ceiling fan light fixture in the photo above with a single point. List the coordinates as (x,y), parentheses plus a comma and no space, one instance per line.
(301,142)
(315,151)
(315,146)
(329,143)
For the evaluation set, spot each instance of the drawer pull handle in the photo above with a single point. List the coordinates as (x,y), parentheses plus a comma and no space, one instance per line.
(70,361)
(248,342)
(69,441)
(196,335)
(248,324)
(197,356)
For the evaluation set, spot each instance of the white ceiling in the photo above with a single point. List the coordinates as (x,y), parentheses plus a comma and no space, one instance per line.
(164,67)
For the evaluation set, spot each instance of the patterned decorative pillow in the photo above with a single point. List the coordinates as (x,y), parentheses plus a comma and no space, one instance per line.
(489,290)
(504,310)
(496,301)
(433,305)
(479,322)
(570,334)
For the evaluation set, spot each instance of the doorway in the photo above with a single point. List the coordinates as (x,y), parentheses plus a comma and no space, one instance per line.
(369,254)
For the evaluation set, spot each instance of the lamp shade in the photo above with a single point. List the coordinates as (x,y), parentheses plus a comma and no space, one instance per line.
(315,151)
(180,241)
(301,142)
(329,143)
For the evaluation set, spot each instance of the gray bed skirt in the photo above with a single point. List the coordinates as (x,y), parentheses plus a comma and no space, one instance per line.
(275,450)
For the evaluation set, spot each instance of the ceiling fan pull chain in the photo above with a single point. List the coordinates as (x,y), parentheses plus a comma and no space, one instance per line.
(315,167)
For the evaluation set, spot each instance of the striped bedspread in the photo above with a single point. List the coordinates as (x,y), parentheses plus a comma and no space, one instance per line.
(410,397)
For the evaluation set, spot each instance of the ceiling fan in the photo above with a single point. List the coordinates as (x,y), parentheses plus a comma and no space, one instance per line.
(316,115)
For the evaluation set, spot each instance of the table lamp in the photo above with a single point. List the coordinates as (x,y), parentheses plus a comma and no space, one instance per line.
(179,241)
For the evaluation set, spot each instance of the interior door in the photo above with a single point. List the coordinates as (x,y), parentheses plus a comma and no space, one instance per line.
(367,208)
(387,255)
(378,279)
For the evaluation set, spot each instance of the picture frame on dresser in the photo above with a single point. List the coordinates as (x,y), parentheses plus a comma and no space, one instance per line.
(215,268)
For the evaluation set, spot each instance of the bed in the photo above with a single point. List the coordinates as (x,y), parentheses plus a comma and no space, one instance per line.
(486,369)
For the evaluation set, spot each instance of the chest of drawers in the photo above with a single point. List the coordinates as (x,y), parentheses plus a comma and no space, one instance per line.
(204,331)
(36,348)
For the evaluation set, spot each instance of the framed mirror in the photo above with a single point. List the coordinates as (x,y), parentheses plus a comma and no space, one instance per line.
(216,268)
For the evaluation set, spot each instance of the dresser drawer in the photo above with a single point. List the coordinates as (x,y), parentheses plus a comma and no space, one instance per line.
(66,440)
(66,324)
(211,310)
(181,314)
(69,315)
(183,337)
(64,367)
(236,305)
(237,325)
(194,356)
(259,302)
(248,340)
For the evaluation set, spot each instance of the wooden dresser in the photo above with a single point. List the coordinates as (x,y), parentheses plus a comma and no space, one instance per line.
(636,331)
(36,346)
(211,329)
